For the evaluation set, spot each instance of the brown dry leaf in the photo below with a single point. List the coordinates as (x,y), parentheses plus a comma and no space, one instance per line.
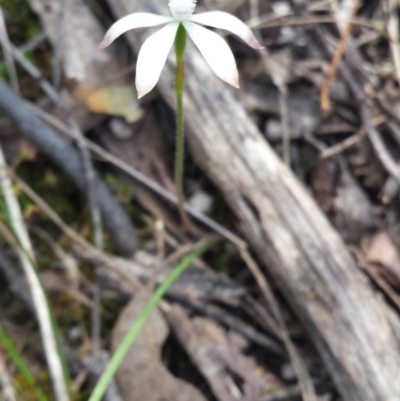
(142,375)
(96,78)
(116,100)
(219,355)
(379,249)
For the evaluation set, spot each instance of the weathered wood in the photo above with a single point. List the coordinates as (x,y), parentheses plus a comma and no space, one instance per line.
(355,332)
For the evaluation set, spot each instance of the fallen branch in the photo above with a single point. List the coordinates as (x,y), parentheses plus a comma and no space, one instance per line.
(115,219)
(290,234)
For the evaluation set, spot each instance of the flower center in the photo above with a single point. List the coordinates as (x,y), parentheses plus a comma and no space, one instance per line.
(182,10)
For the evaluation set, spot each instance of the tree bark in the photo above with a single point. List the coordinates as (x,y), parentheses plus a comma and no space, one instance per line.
(355,332)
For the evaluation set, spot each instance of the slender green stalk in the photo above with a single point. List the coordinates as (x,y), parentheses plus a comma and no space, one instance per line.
(130,337)
(180,44)
(19,362)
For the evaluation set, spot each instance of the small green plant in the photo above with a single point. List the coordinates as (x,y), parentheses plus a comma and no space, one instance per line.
(126,343)
(20,364)
(154,53)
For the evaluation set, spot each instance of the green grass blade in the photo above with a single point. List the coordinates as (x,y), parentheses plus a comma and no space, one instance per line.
(56,328)
(14,355)
(130,337)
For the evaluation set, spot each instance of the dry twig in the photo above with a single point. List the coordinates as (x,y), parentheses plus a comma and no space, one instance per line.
(6,45)
(345,33)
(305,381)
(142,179)
(5,382)
(393,33)
(27,259)
(63,153)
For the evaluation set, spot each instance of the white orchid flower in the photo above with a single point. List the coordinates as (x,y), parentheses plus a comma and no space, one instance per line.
(154,52)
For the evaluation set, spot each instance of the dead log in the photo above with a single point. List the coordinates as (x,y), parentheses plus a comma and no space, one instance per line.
(353,329)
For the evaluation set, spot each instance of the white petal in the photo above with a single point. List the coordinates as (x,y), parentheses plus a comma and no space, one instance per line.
(152,58)
(182,10)
(132,21)
(216,52)
(222,20)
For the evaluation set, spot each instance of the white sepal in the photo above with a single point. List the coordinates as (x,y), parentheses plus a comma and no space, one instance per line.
(222,20)
(152,58)
(215,51)
(132,21)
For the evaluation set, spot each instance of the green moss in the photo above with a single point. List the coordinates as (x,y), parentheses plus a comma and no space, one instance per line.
(55,187)
(22,23)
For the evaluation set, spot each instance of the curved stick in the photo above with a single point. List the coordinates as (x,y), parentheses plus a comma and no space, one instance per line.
(116,221)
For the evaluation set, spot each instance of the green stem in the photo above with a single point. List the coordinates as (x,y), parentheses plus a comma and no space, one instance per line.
(135,329)
(180,43)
